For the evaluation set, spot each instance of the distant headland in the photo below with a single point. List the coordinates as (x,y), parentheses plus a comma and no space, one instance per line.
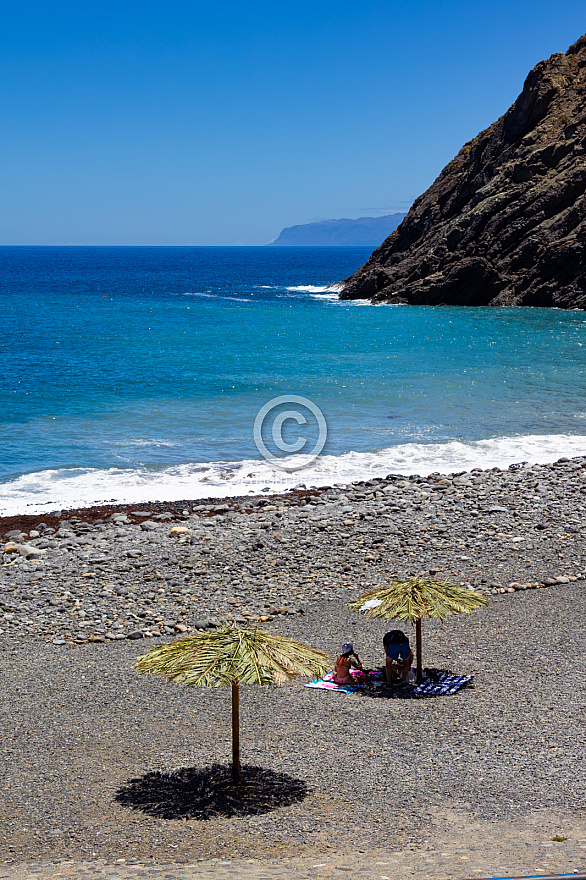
(364,232)
(504,224)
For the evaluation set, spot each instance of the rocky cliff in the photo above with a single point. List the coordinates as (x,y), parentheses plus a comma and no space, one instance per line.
(504,224)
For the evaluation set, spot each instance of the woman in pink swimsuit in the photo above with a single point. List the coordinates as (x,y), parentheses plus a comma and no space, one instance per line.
(345,663)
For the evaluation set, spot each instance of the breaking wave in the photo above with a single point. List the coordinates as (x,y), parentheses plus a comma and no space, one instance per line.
(62,489)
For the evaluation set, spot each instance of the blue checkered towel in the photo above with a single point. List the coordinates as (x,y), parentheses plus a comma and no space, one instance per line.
(446,683)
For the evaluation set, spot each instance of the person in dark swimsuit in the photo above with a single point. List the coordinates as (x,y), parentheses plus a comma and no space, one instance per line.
(398,656)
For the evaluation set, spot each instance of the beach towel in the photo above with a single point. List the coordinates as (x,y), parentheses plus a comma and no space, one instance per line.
(434,685)
(444,683)
(327,683)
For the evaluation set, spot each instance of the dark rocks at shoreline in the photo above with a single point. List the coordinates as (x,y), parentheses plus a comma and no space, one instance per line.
(104,575)
(504,223)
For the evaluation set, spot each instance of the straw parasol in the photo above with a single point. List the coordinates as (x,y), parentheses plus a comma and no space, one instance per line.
(231,656)
(415,599)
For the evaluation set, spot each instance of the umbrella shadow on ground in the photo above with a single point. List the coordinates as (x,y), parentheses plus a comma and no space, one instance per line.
(206,793)
(393,692)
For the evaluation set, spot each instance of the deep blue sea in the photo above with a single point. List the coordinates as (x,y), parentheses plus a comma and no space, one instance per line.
(135,374)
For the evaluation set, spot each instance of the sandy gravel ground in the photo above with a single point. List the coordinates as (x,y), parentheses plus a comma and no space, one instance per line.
(100,762)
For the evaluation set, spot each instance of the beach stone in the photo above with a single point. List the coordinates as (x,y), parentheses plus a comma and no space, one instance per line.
(30,551)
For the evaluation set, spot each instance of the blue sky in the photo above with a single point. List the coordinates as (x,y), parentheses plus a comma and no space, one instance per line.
(179,123)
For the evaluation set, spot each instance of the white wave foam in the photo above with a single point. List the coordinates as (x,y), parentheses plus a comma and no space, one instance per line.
(332,297)
(238,299)
(141,441)
(329,292)
(82,487)
(309,288)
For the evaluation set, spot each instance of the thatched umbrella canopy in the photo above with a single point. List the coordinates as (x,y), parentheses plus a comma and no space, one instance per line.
(231,656)
(415,599)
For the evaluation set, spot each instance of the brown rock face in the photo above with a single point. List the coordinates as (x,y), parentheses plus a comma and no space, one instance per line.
(504,224)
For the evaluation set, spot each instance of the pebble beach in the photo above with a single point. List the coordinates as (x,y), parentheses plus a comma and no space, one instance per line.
(103,574)
(101,762)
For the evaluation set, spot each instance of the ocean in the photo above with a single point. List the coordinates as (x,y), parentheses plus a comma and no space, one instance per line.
(133,374)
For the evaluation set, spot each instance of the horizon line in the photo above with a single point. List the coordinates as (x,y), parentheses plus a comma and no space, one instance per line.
(267,244)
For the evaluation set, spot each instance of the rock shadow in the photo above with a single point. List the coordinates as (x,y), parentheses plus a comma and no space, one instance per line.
(206,793)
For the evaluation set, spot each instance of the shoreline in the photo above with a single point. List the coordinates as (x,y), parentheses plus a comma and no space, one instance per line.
(165,568)
(95,509)
(239,480)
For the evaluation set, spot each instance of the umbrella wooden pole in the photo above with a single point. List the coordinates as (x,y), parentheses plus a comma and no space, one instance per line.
(235,733)
(419,651)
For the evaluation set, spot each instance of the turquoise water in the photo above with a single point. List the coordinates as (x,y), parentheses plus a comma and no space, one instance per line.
(131,373)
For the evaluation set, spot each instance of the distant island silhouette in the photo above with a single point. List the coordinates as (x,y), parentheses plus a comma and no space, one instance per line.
(364,232)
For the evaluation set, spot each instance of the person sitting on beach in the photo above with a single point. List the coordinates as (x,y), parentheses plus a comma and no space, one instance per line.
(398,656)
(347,660)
